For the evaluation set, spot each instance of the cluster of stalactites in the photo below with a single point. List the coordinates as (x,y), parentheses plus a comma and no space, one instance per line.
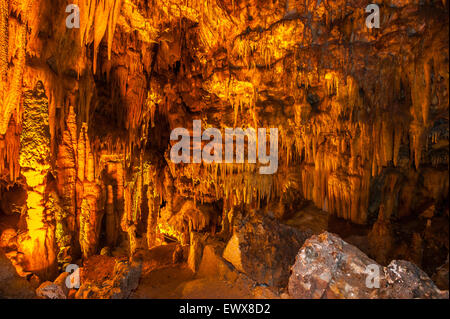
(236,183)
(340,161)
(10,78)
(98,17)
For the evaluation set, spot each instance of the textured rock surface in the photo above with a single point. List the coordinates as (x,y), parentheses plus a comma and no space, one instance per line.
(49,290)
(108,278)
(328,267)
(215,271)
(61,282)
(406,281)
(440,277)
(196,243)
(264,249)
(38,243)
(11,285)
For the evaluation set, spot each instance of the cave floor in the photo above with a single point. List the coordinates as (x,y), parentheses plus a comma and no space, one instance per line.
(162,279)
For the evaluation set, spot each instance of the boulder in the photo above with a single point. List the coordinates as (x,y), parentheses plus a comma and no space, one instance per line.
(8,239)
(264,249)
(119,279)
(61,282)
(49,290)
(328,267)
(404,280)
(11,284)
(126,277)
(440,277)
(214,265)
(195,250)
(217,278)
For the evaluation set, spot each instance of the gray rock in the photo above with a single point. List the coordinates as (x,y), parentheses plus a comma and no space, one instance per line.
(49,290)
(404,280)
(61,282)
(328,267)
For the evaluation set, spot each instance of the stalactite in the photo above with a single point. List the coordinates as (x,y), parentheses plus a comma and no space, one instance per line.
(99,17)
(4,13)
(14,92)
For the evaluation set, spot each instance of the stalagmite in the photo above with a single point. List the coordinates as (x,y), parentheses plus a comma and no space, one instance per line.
(67,166)
(38,243)
(381,237)
(88,197)
(111,224)
(154,199)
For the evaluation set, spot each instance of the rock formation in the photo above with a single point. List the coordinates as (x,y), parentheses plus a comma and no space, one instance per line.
(122,279)
(13,286)
(264,249)
(38,243)
(328,267)
(87,109)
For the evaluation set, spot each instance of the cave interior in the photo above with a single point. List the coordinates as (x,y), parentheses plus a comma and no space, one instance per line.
(92,90)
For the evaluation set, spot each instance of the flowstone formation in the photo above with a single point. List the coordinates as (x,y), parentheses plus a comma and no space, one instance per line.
(87,110)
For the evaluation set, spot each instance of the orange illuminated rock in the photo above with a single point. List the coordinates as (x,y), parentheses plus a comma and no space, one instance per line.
(264,249)
(13,286)
(38,243)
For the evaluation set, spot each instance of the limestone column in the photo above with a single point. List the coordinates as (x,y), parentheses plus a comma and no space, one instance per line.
(38,243)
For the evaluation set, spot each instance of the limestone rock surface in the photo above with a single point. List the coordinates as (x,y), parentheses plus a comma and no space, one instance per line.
(264,249)
(328,267)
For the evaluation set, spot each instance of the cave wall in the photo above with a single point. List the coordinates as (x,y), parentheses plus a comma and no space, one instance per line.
(362,114)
